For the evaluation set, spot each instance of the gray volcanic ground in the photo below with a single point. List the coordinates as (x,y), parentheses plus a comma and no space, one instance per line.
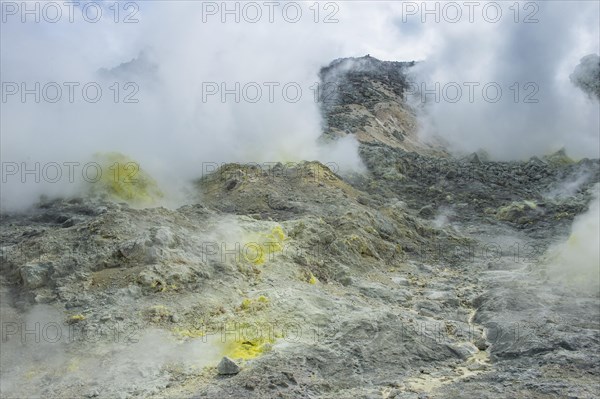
(426,275)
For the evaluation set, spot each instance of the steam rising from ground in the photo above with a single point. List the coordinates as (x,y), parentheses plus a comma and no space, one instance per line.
(39,348)
(571,185)
(540,110)
(576,262)
(171,54)
(173,57)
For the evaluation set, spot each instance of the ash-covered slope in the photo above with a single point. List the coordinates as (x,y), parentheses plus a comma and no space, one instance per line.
(424,277)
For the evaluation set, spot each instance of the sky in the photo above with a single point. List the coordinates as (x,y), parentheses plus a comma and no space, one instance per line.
(184,84)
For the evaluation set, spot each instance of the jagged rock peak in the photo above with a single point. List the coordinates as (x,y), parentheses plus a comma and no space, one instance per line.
(365,64)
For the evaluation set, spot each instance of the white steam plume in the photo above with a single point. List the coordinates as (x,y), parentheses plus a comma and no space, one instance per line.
(576,262)
(172,130)
(539,110)
(586,75)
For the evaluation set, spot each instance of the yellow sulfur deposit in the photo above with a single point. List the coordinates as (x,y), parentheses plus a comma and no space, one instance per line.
(250,342)
(75,319)
(247,349)
(264,246)
(123,179)
(188,332)
(246,304)
(277,234)
(257,304)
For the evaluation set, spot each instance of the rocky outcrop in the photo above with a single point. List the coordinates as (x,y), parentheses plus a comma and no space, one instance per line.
(366,98)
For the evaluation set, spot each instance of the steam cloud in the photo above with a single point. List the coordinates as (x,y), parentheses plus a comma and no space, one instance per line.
(539,110)
(171,54)
(39,348)
(576,262)
(586,75)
